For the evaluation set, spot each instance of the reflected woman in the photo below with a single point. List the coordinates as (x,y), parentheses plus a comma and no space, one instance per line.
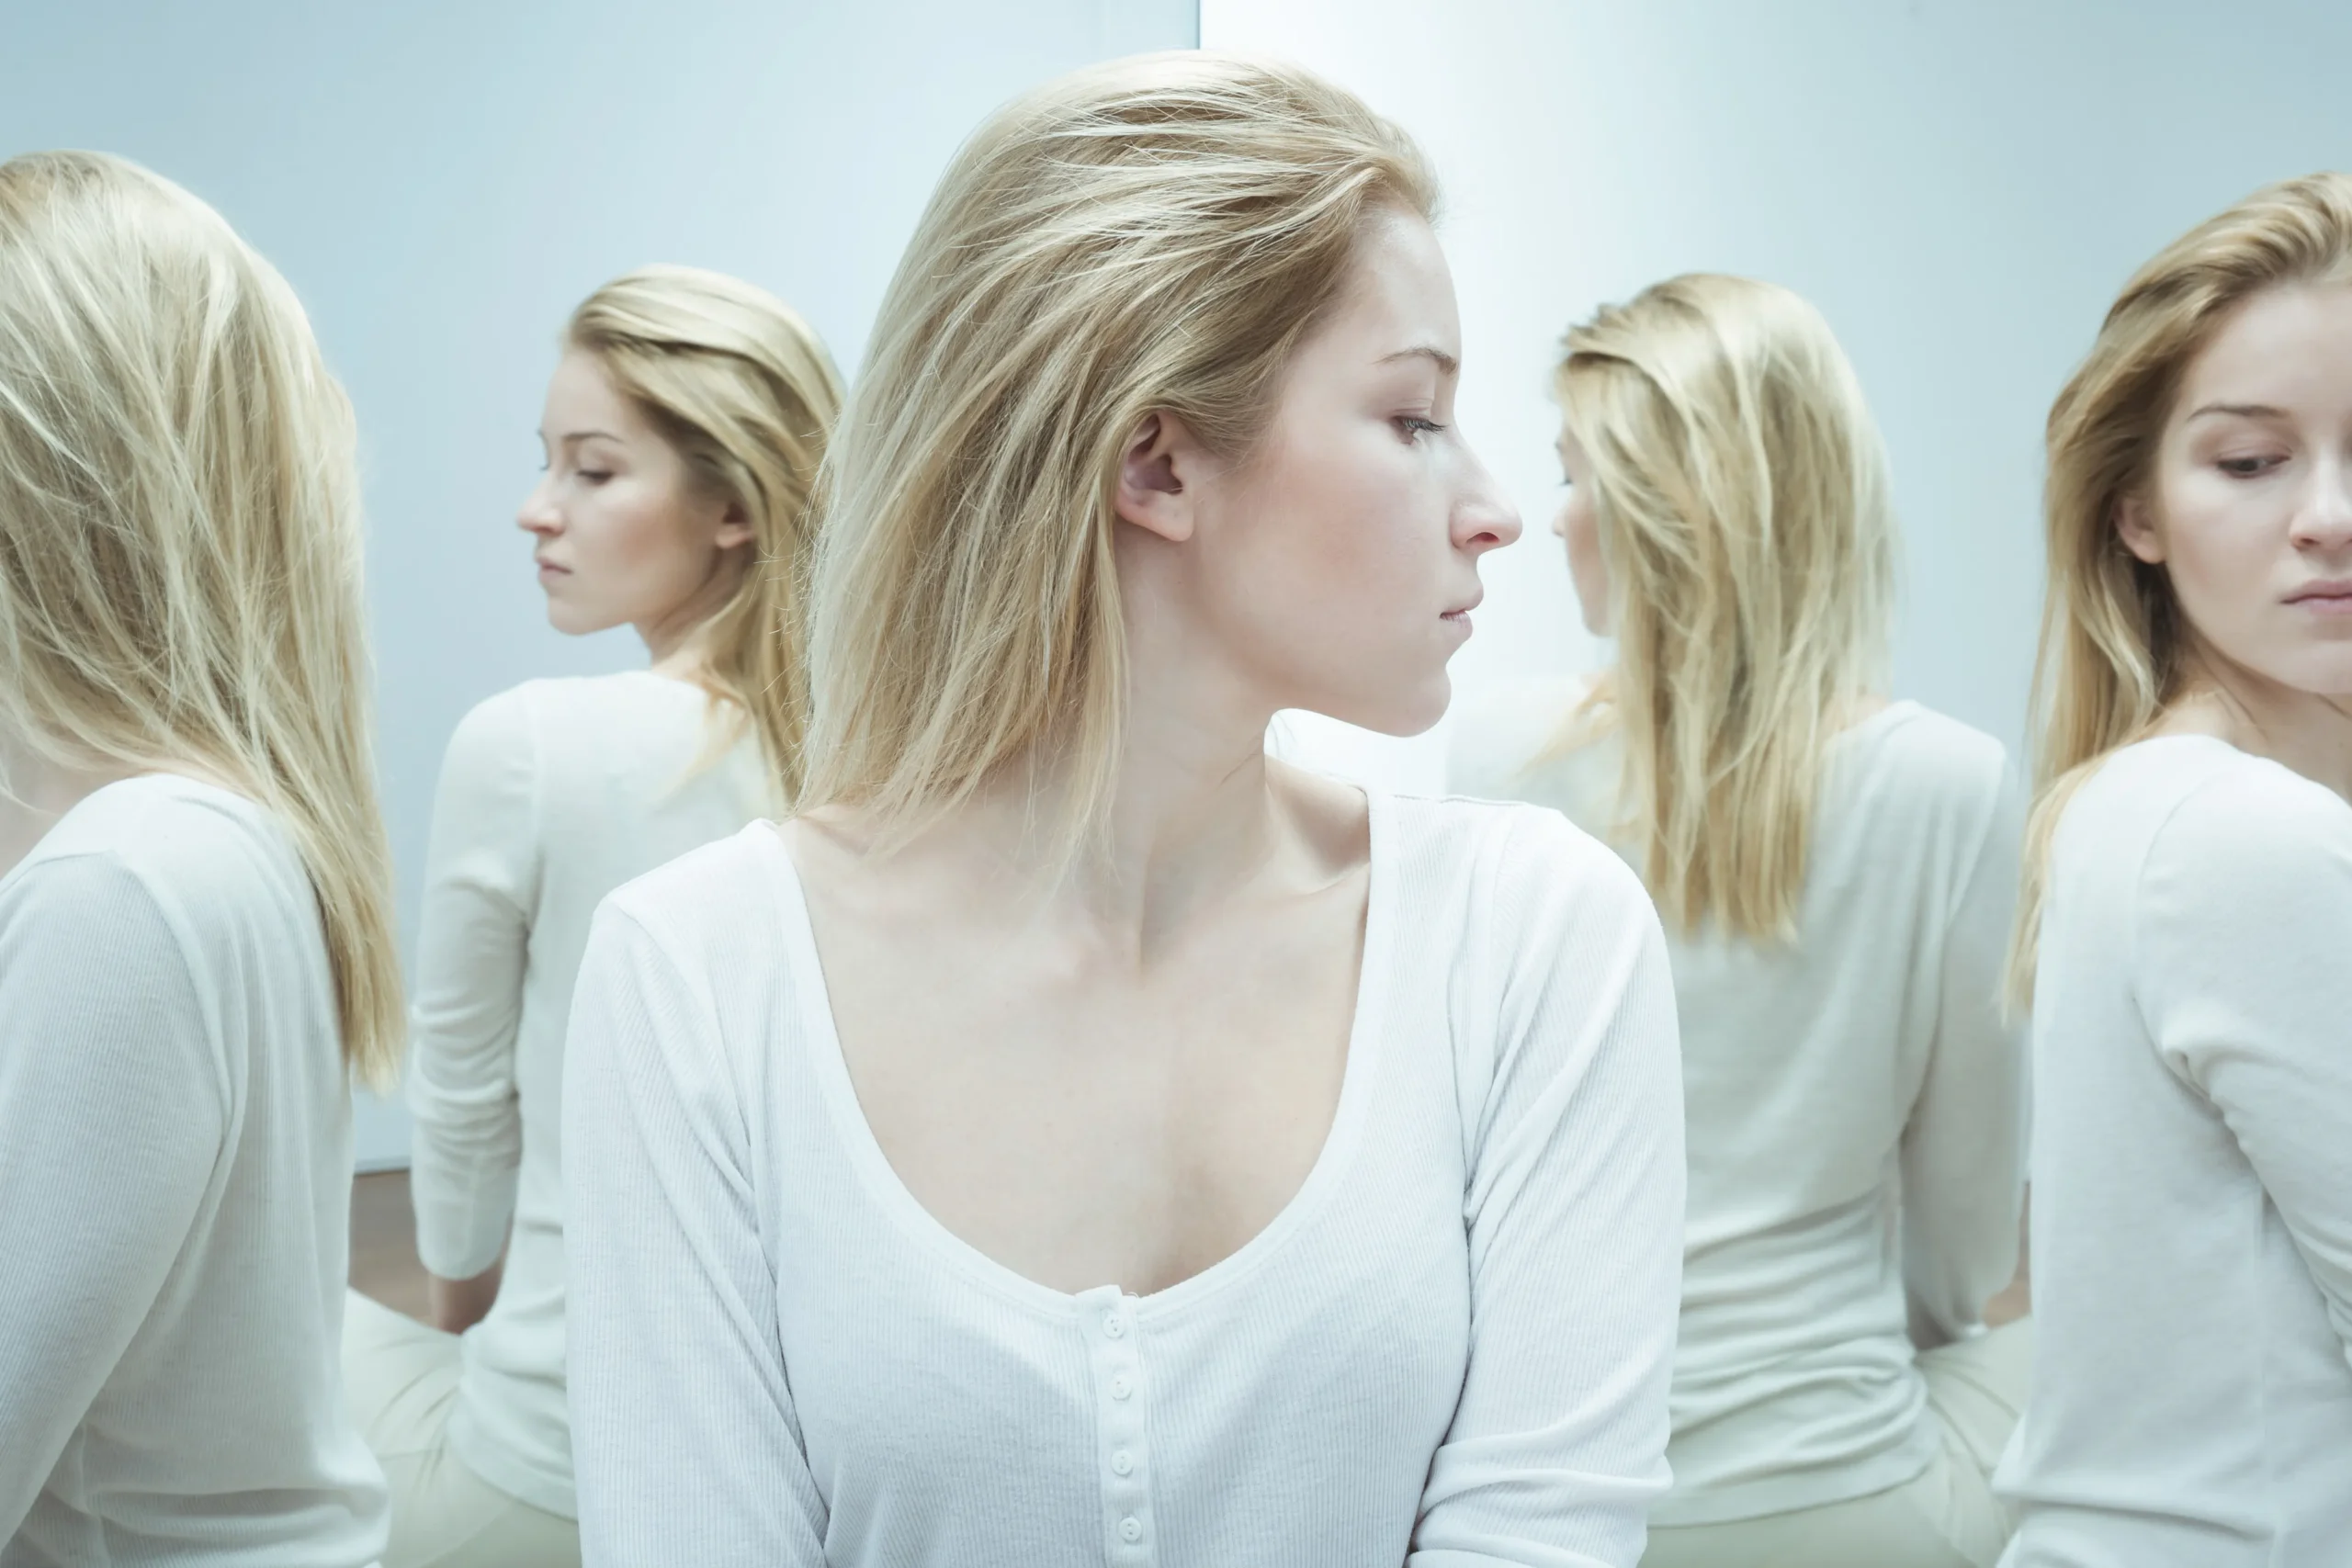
(2192,840)
(683,428)
(1075,1138)
(1838,874)
(196,910)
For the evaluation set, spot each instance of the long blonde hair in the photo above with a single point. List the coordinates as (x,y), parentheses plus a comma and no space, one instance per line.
(180,552)
(743,387)
(2113,650)
(1740,490)
(1155,234)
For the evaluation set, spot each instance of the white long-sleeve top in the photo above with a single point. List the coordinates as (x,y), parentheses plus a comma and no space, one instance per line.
(1449,1349)
(174,1198)
(2192,1173)
(552,794)
(1857,1107)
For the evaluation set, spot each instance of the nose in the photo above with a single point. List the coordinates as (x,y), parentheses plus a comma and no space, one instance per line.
(2323,520)
(538,514)
(1484,519)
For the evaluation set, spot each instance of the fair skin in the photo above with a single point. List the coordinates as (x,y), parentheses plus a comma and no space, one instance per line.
(34,792)
(2249,511)
(622,537)
(1575,527)
(1120,1067)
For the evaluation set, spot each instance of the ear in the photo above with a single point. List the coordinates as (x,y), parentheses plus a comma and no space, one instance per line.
(734,527)
(2136,526)
(1158,477)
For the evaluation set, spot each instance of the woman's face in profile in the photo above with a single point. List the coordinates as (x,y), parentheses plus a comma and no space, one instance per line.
(2252,490)
(1580,529)
(1339,565)
(623,536)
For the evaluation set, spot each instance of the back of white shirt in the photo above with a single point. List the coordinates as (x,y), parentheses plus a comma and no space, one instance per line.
(2192,1191)
(552,794)
(1855,1106)
(174,1198)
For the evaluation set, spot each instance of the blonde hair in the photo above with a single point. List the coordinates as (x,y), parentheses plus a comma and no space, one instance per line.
(1740,490)
(1155,234)
(743,387)
(2113,644)
(180,552)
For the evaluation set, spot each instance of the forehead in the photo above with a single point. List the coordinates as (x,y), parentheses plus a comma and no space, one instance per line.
(1399,292)
(2288,347)
(581,396)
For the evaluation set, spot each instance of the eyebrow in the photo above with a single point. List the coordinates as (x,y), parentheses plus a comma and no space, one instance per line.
(2239,411)
(1447,364)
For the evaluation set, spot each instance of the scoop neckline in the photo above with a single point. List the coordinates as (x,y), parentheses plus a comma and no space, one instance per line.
(812,1006)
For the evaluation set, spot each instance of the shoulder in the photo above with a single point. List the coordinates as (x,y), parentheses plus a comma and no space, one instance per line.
(156,863)
(1496,736)
(712,905)
(1934,758)
(2230,827)
(1518,863)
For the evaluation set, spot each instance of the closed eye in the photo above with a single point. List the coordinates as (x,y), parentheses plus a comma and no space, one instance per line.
(1414,426)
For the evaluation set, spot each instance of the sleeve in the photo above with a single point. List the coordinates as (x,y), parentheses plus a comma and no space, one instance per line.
(1963,1151)
(684,1436)
(1574,1213)
(2243,978)
(480,891)
(113,1111)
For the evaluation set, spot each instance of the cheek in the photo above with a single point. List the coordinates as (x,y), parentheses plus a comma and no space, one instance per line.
(631,548)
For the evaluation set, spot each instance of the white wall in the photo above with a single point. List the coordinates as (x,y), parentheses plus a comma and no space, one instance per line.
(441,182)
(1960,185)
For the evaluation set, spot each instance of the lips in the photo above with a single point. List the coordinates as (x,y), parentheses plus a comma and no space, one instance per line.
(2333,594)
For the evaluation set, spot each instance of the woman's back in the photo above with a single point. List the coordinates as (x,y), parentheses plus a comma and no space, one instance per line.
(1855,1107)
(163,984)
(553,794)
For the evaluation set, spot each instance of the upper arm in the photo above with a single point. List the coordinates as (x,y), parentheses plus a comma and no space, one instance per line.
(113,1109)
(479,894)
(1575,1214)
(1965,1148)
(684,1435)
(2242,968)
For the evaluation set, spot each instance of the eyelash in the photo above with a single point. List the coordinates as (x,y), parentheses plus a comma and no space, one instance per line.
(1413,426)
(2262,465)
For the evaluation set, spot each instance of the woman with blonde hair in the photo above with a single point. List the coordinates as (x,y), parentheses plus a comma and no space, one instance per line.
(1074,1138)
(683,428)
(1838,874)
(2186,941)
(196,948)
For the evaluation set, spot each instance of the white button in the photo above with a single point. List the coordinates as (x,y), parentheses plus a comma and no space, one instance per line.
(1121,1387)
(1131,1529)
(1122,1462)
(1114,1327)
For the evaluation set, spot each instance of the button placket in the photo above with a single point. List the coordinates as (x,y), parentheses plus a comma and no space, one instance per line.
(1121,1398)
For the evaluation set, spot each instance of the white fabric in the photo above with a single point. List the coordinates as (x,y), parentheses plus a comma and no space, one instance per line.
(1857,1106)
(2192,1173)
(552,794)
(174,1198)
(1453,1342)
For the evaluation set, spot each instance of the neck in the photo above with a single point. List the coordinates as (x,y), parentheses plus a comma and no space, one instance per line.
(34,792)
(676,640)
(2302,730)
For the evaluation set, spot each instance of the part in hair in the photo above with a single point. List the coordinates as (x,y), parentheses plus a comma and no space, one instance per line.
(1153,235)
(1740,490)
(180,549)
(2112,658)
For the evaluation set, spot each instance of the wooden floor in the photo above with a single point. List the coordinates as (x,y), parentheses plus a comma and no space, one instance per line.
(383,1243)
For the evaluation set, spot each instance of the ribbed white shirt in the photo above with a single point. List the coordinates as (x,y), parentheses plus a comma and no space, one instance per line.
(174,1198)
(1449,1349)
(2192,1173)
(552,794)
(1857,1106)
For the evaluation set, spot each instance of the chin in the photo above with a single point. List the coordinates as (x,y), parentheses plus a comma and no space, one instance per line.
(1399,713)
